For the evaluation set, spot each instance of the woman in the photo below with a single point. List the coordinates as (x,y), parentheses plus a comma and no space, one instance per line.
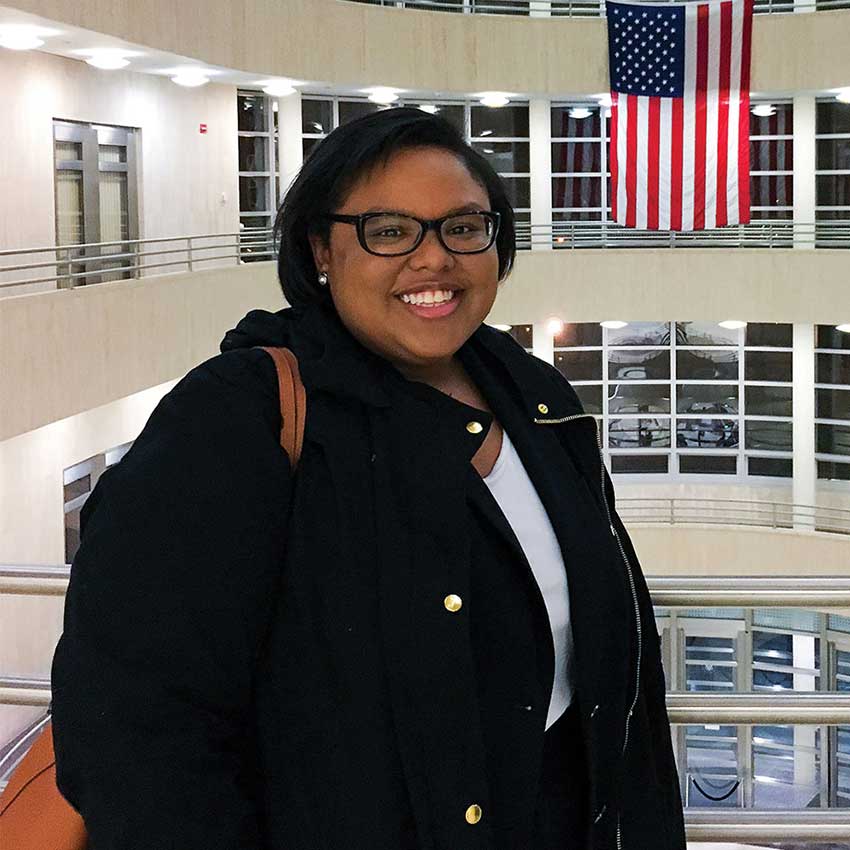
(435,634)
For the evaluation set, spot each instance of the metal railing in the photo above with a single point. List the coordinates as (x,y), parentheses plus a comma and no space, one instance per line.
(69,266)
(636,511)
(575,8)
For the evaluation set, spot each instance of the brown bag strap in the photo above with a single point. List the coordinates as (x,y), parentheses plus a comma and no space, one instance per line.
(293,402)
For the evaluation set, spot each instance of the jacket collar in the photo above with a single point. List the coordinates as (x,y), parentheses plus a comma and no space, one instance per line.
(332,359)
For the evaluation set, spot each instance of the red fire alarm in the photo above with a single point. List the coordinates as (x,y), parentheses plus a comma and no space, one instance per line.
(203,128)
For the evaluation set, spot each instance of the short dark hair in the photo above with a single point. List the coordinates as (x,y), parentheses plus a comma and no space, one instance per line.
(338,162)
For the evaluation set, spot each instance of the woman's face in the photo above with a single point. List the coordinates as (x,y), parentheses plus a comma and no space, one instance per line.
(366,289)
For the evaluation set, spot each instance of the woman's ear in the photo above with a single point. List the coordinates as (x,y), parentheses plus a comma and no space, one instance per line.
(321,252)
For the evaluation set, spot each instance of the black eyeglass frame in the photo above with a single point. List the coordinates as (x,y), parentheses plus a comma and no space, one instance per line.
(425,225)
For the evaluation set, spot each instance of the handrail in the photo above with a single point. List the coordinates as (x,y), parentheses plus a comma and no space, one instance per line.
(777,515)
(575,8)
(736,825)
(35,580)
(749,592)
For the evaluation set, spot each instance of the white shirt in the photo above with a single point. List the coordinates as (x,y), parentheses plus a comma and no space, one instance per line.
(512,488)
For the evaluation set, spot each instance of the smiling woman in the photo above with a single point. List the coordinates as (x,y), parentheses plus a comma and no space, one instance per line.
(435,633)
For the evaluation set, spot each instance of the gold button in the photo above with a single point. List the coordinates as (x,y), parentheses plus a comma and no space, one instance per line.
(453,602)
(542,408)
(473,813)
(474,427)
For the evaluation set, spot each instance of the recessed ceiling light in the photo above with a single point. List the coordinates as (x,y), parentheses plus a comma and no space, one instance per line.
(107,58)
(764,110)
(20,37)
(554,325)
(843,328)
(430,108)
(580,112)
(383,95)
(191,78)
(732,325)
(279,88)
(843,96)
(613,324)
(494,99)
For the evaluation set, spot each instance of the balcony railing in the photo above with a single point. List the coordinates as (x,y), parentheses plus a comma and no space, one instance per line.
(69,266)
(805,826)
(575,8)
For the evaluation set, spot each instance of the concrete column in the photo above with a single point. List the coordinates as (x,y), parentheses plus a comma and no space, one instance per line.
(543,344)
(805,468)
(803,656)
(804,168)
(540,143)
(291,150)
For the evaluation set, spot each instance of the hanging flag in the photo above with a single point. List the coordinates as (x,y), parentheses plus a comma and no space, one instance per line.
(680,91)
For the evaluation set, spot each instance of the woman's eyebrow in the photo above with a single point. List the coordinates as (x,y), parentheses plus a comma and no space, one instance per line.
(472,206)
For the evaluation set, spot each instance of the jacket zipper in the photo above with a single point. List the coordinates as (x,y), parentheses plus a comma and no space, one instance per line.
(625,558)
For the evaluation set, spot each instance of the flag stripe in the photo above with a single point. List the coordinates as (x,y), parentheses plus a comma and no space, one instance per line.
(701,107)
(622,142)
(642,162)
(631,162)
(744,116)
(723,110)
(712,111)
(612,155)
(734,117)
(676,164)
(689,128)
(665,132)
(653,163)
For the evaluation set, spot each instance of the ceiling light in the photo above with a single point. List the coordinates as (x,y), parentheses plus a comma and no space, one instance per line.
(554,325)
(190,78)
(429,108)
(494,99)
(764,110)
(843,96)
(278,88)
(613,324)
(107,59)
(16,37)
(502,327)
(383,95)
(732,325)
(843,328)
(580,112)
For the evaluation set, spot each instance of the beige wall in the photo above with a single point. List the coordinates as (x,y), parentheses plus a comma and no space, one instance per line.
(68,351)
(182,173)
(356,44)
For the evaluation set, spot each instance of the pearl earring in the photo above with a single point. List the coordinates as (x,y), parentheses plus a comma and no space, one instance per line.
(323,279)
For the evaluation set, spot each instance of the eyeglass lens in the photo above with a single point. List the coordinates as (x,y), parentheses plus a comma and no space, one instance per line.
(393,234)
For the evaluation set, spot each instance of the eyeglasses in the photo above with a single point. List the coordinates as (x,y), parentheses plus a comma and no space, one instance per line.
(388,234)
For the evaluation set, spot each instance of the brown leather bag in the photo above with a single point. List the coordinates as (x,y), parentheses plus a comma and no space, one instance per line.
(33,814)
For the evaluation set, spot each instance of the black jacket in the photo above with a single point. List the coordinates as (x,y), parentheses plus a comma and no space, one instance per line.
(256,660)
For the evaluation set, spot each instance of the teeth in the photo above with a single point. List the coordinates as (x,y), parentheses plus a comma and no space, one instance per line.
(428,298)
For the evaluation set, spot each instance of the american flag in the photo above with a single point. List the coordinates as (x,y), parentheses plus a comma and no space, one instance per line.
(680,91)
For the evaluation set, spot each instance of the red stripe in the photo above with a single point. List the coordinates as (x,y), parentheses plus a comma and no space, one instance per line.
(677,126)
(700,107)
(744,117)
(631,161)
(652,166)
(612,156)
(723,110)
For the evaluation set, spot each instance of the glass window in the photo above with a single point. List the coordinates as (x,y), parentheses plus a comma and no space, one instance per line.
(316,116)
(501,122)
(767,366)
(579,334)
(708,464)
(768,435)
(68,151)
(565,126)
(638,398)
(771,190)
(590,396)
(252,113)
(252,153)
(833,154)
(505,157)
(523,334)
(832,404)
(351,109)
(827,336)
(707,365)
(762,334)
(577,192)
(771,155)
(638,433)
(308,146)
(579,365)
(832,117)
(518,190)
(775,467)
(833,190)
(833,470)
(639,463)
(577,157)
(769,401)
(832,439)
(453,113)
(707,398)
(832,369)
(640,333)
(707,433)
(781,123)
(254,194)
(639,365)
(705,333)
